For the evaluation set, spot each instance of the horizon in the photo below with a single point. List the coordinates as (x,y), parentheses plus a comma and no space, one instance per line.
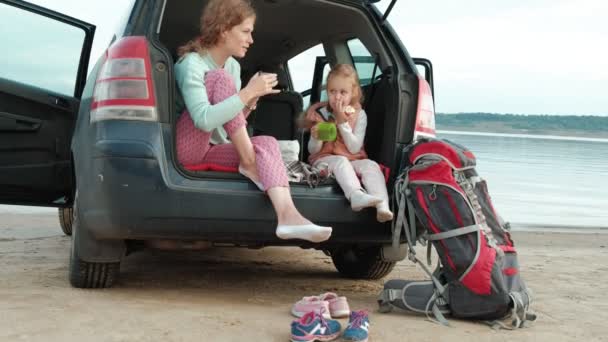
(526,114)
(488,56)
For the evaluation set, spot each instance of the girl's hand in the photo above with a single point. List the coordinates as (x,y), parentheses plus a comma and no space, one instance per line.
(314,132)
(340,112)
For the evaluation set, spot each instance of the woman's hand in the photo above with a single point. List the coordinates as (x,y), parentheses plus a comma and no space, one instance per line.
(311,112)
(260,85)
(253,103)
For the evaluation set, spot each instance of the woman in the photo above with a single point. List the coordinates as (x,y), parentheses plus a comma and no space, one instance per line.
(216,107)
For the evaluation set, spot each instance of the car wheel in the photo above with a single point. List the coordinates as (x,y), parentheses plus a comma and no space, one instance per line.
(85,274)
(361,262)
(65,220)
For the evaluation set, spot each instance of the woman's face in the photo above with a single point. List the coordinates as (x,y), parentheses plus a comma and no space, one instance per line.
(238,39)
(339,89)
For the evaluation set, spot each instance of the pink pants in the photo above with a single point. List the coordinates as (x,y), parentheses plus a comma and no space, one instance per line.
(346,173)
(193,146)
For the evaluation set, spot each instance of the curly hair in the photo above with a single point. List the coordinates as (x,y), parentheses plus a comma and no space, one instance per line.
(347,71)
(218,16)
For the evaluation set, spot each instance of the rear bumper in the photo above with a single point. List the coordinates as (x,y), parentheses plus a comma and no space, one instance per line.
(133,191)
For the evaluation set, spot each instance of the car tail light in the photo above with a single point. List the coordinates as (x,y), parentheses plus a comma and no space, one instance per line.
(425,114)
(124,88)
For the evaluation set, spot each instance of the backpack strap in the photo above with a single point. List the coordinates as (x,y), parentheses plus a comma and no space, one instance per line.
(480,218)
(432,304)
(388,296)
(400,223)
(504,225)
(520,313)
(391,298)
(453,233)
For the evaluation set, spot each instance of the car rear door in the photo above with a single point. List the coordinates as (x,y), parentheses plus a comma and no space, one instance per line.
(44,63)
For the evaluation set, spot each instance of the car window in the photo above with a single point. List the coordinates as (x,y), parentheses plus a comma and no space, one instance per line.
(39,51)
(363,60)
(326,71)
(301,69)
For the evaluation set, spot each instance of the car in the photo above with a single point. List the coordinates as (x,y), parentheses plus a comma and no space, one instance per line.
(102,148)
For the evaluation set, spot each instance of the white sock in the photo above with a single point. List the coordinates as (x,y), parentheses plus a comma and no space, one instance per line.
(310,232)
(383,213)
(360,200)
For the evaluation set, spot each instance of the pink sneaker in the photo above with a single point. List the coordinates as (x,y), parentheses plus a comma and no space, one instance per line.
(338,306)
(312,303)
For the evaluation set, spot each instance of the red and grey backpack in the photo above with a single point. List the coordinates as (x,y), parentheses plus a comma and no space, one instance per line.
(477,276)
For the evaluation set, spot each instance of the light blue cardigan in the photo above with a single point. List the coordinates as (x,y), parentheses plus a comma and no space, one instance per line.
(190,71)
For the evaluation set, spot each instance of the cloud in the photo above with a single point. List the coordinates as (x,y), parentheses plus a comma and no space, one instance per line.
(539,56)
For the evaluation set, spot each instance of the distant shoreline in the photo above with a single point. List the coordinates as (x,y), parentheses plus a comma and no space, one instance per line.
(546,125)
(556,228)
(521,135)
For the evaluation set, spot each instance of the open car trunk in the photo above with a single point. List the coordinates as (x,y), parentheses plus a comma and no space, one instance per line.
(285,29)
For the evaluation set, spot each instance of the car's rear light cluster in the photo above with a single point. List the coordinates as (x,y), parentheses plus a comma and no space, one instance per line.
(425,114)
(124,88)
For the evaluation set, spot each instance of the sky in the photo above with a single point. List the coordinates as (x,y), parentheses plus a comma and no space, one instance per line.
(522,57)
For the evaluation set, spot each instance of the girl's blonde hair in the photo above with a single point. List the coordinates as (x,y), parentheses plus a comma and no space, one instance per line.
(218,16)
(347,71)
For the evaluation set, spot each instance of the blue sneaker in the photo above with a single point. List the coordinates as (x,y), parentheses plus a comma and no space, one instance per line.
(313,327)
(358,327)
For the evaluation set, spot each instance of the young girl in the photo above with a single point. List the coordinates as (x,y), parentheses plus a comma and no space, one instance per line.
(345,156)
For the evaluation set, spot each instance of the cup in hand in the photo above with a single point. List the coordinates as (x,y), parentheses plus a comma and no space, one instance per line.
(327,131)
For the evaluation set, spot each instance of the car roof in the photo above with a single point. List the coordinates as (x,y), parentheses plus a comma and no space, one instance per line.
(283,27)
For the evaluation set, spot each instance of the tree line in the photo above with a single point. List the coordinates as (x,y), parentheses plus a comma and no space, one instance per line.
(524,122)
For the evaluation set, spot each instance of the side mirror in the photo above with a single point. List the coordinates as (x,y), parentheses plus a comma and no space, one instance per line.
(425,69)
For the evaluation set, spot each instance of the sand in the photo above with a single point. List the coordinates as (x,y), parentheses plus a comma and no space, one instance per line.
(229,294)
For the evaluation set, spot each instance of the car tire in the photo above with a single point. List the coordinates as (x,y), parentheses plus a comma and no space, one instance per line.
(89,275)
(361,263)
(66,216)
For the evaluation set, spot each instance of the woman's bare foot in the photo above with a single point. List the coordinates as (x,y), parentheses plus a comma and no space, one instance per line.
(244,148)
(252,174)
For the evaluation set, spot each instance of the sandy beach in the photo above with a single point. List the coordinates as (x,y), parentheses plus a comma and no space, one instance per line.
(245,295)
